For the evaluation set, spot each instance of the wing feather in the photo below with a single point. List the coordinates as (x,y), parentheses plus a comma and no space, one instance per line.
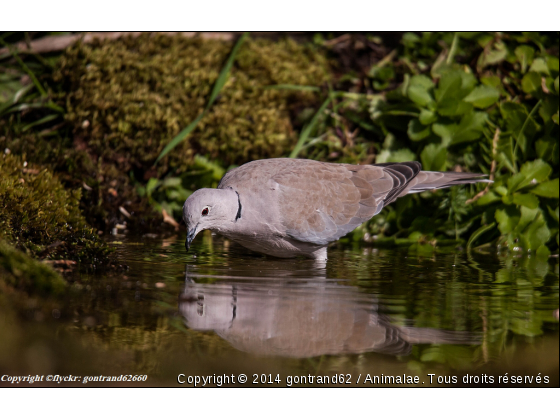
(320,202)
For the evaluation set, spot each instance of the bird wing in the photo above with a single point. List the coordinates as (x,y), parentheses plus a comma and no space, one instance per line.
(321,202)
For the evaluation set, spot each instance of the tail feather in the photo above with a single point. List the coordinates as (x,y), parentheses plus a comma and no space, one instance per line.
(427,180)
(408,178)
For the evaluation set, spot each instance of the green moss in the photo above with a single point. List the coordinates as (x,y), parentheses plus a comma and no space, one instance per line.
(104,187)
(128,98)
(39,216)
(20,271)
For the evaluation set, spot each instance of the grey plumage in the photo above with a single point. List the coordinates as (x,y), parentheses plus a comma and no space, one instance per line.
(301,318)
(289,207)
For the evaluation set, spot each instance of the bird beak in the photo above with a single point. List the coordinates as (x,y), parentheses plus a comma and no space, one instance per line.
(190,236)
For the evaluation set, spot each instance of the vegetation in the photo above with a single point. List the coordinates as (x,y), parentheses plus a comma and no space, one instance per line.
(99,115)
(133,114)
(81,131)
(40,217)
(18,270)
(475,102)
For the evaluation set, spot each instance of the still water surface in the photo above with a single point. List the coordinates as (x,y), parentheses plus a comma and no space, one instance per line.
(223,310)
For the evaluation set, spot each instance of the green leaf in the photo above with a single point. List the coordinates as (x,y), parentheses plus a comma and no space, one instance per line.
(556,86)
(526,217)
(434,157)
(491,80)
(479,232)
(507,218)
(552,63)
(531,82)
(543,251)
(454,107)
(547,149)
(539,66)
(520,123)
(401,155)
(527,200)
(483,96)
(416,131)
(445,131)
(151,186)
(493,56)
(501,190)
(535,172)
(532,172)
(487,198)
(419,90)
(171,182)
(449,86)
(553,213)
(537,233)
(548,108)
(210,166)
(453,86)
(469,129)
(427,117)
(507,199)
(514,182)
(524,54)
(547,189)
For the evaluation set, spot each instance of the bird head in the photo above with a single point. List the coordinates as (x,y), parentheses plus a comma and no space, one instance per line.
(210,208)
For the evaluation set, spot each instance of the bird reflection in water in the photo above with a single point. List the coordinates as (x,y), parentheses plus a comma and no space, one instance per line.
(299,317)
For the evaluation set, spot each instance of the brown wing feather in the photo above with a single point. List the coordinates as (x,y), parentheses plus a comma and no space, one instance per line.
(320,202)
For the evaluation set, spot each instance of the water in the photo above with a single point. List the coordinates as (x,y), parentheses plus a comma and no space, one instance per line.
(221,310)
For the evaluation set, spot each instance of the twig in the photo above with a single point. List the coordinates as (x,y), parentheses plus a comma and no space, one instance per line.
(492,168)
(169,219)
(337,40)
(60,262)
(60,42)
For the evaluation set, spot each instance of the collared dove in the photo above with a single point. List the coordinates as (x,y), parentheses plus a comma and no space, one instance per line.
(301,318)
(289,207)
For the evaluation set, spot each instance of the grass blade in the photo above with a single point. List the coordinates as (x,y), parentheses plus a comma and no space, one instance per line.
(529,116)
(478,233)
(294,87)
(223,76)
(180,137)
(17,96)
(40,121)
(220,82)
(307,130)
(26,69)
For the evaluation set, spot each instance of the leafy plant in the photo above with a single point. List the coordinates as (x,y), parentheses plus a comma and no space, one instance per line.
(480,102)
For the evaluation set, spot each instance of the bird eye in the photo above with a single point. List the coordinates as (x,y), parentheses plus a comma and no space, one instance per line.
(205,211)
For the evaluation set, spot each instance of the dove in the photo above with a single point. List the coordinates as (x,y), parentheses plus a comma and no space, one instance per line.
(301,317)
(295,207)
